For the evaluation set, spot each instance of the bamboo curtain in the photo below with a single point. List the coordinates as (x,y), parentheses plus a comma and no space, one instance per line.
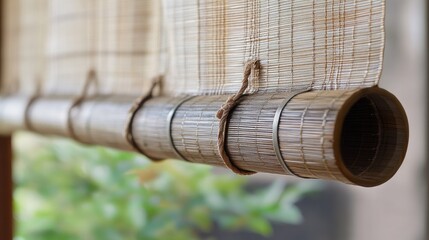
(311,109)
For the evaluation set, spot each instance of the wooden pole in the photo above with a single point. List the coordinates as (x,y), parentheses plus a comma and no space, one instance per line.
(6,177)
(6,189)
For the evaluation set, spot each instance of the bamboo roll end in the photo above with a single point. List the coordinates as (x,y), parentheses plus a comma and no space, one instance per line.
(371,137)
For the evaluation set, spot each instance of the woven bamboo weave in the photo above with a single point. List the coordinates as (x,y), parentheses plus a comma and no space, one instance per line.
(325,44)
(53,44)
(328,44)
(312,108)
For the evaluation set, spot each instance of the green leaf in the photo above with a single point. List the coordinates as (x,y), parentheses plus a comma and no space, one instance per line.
(287,214)
(274,193)
(70,191)
(260,226)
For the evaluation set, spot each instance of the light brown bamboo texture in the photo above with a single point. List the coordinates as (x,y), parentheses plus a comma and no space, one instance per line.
(323,44)
(357,136)
(52,46)
(12,113)
(343,129)
(119,40)
(25,45)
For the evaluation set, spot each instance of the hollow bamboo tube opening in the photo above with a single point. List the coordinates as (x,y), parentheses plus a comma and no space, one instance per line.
(371,137)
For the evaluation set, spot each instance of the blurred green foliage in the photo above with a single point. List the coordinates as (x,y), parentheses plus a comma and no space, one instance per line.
(67,191)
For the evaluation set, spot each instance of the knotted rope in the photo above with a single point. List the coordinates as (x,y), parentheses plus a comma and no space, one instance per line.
(224,112)
(91,79)
(138,103)
(27,112)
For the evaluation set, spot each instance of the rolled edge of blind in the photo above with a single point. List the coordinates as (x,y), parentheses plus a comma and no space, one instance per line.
(357,137)
(12,113)
(392,126)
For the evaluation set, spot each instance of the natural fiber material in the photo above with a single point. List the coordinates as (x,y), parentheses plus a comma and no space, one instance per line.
(357,137)
(341,128)
(223,114)
(25,45)
(91,81)
(323,44)
(138,103)
(12,113)
(59,42)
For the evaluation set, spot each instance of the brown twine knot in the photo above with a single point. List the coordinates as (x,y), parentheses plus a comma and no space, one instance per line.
(253,66)
(138,103)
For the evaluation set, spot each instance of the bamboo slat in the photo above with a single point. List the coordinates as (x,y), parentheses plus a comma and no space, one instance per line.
(322,44)
(25,46)
(52,45)
(119,40)
(201,46)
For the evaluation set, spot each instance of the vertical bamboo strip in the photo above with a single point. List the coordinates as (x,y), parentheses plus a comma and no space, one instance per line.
(323,44)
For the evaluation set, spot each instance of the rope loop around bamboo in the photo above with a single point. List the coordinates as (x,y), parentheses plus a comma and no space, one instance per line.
(27,118)
(276,125)
(252,67)
(38,93)
(132,112)
(91,79)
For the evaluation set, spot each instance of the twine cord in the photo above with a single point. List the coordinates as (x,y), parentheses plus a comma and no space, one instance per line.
(91,79)
(37,94)
(224,112)
(137,105)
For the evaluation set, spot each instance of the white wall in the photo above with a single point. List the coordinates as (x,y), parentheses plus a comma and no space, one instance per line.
(396,210)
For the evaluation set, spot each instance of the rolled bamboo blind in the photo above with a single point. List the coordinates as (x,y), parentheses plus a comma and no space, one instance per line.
(308,70)
(327,45)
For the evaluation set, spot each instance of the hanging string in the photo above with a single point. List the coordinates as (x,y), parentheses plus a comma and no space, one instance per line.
(37,94)
(91,80)
(138,104)
(252,67)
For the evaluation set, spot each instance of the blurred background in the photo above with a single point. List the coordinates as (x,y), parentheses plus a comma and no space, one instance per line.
(69,191)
